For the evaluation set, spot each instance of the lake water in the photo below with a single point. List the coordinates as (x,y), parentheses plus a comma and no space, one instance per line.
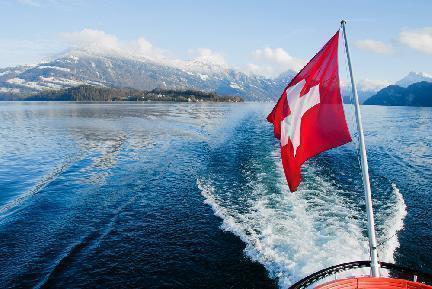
(165,195)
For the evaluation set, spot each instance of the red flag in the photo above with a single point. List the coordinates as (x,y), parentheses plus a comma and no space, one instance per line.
(309,117)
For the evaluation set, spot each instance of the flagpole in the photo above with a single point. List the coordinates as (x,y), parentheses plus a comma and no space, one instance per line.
(364,165)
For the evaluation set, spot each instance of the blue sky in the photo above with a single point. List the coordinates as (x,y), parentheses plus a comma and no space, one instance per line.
(387,38)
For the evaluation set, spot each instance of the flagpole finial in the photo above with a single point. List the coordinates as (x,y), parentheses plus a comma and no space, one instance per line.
(343,22)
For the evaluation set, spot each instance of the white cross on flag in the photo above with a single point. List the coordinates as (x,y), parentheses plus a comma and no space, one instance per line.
(309,117)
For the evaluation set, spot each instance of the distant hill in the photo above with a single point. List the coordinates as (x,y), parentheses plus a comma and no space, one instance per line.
(94,93)
(417,94)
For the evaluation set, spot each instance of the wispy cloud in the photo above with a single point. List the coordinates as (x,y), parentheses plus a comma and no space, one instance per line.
(418,39)
(364,84)
(372,84)
(374,46)
(91,38)
(207,55)
(266,61)
(100,42)
(272,61)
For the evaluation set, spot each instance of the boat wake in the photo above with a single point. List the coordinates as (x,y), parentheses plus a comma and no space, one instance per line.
(7,209)
(395,213)
(294,235)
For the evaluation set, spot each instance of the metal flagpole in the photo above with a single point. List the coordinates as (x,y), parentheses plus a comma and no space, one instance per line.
(365,170)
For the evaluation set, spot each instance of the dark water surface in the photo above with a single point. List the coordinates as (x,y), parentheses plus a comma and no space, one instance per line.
(165,195)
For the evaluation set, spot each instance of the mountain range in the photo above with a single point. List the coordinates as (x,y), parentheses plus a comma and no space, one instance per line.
(416,94)
(83,67)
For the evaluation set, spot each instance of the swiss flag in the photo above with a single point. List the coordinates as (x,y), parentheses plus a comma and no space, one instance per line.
(309,117)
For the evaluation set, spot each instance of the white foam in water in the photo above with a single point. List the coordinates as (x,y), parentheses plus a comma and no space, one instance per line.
(393,224)
(294,235)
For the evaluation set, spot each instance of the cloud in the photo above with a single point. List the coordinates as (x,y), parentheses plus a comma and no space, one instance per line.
(272,61)
(374,46)
(100,42)
(418,39)
(266,70)
(367,84)
(363,85)
(96,40)
(206,55)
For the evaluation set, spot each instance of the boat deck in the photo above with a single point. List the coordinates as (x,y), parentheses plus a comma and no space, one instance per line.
(370,282)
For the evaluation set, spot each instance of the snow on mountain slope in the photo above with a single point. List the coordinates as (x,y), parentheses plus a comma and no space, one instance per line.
(414,77)
(81,67)
(85,66)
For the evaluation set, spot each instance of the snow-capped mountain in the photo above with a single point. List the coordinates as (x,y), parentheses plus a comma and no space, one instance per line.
(414,77)
(81,67)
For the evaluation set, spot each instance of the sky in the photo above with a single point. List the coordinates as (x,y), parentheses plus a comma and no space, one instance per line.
(387,39)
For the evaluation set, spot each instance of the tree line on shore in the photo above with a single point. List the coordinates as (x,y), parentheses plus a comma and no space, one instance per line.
(107,94)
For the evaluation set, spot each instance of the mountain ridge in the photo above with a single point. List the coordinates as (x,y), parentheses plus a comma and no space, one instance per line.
(413,77)
(82,68)
(417,94)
